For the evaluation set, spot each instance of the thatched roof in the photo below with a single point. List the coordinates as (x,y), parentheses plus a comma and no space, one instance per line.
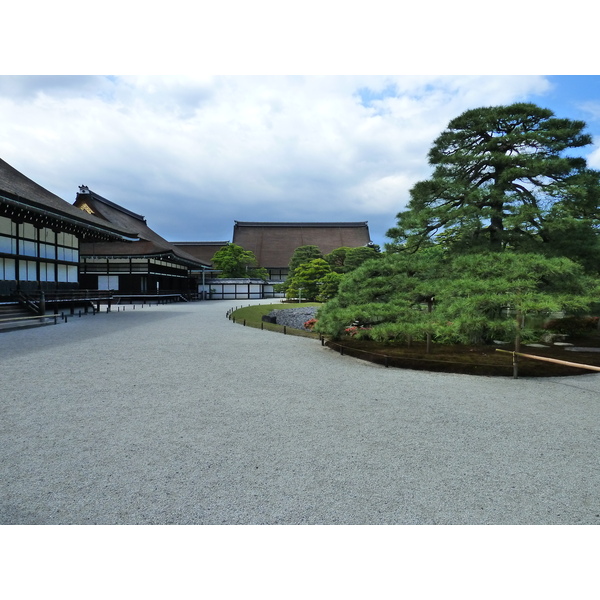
(203,251)
(273,244)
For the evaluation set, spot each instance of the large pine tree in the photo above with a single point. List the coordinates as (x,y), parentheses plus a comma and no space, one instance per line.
(505,224)
(503,177)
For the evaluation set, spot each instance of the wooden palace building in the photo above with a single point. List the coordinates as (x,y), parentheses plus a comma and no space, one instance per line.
(41,236)
(274,243)
(49,246)
(203,251)
(148,265)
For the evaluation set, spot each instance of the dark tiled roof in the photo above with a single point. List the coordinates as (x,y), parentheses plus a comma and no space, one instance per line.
(18,189)
(149,242)
(274,243)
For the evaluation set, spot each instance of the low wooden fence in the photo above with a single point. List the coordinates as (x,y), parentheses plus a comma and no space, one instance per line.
(407,362)
(266,326)
(420,364)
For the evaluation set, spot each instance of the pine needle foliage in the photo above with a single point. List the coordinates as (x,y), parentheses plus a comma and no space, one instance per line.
(506,177)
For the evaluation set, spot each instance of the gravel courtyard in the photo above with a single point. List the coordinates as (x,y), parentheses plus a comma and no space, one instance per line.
(175,415)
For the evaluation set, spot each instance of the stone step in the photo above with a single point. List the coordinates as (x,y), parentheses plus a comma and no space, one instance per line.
(12,317)
(13,310)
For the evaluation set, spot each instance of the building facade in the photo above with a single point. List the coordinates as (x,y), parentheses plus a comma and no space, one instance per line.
(41,236)
(274,243)
(146,264)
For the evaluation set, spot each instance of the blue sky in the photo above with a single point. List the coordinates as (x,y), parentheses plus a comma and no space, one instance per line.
(193,154)
(574,97)
(261,112)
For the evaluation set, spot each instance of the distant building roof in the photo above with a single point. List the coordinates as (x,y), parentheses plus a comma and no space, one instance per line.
(203,251)
(19,193)
(149,243)
(274,243)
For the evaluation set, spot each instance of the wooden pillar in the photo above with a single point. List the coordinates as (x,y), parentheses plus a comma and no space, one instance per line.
(517,345)
(429,309)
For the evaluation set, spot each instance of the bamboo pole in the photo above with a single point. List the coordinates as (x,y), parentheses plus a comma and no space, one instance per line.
(551,360)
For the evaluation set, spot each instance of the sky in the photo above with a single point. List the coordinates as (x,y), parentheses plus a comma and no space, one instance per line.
(268,111)
(195,153)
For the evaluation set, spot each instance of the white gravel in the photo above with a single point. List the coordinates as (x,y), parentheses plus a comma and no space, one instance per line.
(174,414)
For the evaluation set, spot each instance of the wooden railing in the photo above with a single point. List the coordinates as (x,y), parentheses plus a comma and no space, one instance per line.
(72,295)
(57,304)
(37,302)
(152,298)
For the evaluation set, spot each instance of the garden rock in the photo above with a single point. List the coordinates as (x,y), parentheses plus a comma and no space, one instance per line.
(294,317)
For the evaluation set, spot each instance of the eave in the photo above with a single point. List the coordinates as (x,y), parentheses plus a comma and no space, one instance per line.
(21,209)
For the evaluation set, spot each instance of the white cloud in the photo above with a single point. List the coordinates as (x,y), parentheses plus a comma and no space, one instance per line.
(592,108)
(214,149)
(593,160)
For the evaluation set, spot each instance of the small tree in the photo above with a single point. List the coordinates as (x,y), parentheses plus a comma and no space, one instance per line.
(337,259)
(388,298)
(328,286)
(236,262)
(357,256)
(306,279)
(303,254)
(346,259)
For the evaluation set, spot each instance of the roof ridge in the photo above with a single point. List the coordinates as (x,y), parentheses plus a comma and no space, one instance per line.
(301,223)
(204,243)
(17,187)
(84,189)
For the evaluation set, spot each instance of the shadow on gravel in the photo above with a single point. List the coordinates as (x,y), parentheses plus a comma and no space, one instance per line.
(13,515)
(77,329)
